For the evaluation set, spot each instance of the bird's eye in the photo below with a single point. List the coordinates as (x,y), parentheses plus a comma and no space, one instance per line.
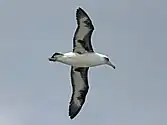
(107,59)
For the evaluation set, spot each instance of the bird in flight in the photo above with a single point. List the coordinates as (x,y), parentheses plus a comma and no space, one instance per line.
(80,59)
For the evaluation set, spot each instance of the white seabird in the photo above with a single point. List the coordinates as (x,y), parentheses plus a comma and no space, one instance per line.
(80,60)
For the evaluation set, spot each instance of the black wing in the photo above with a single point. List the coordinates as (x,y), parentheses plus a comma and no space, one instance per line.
(79,80)
(82,36)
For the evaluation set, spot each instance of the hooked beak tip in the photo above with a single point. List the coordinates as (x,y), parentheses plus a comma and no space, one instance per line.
(110,64)
(113,66)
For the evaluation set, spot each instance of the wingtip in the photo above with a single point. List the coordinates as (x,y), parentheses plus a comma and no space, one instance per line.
(80,12)
(73,111)
(79,8)
(71,117)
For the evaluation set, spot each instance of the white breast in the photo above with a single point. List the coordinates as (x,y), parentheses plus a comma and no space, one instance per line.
(82,60)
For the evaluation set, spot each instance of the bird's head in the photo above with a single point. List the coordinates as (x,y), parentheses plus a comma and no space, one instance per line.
(55,56)
(108,62)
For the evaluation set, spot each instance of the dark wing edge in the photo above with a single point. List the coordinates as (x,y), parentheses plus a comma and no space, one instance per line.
(80,88)
(83,33)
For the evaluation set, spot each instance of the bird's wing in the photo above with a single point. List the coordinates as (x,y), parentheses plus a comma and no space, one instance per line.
(79,80)
(82,36)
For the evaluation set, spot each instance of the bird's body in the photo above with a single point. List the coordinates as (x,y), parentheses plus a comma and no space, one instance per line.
(82,60)
(82,57)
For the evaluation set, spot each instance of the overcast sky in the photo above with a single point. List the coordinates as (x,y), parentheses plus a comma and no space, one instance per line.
(35,92)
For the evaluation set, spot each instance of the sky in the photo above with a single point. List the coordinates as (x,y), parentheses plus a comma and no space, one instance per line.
(35,92)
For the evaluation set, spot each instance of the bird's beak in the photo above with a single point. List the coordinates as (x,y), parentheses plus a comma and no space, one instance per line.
(110,64)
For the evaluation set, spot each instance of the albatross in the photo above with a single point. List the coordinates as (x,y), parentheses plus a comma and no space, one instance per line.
(80,59)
